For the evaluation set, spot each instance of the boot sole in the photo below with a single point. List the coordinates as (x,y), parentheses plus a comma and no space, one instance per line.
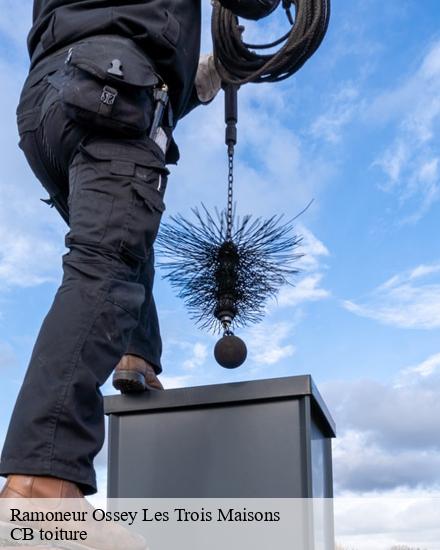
(127,381)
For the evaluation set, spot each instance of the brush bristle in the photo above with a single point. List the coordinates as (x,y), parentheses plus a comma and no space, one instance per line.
(266,261)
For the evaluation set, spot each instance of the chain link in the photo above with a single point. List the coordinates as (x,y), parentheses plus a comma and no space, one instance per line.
(230,193)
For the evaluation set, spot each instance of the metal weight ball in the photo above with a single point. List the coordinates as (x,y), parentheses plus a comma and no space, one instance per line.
(230,351)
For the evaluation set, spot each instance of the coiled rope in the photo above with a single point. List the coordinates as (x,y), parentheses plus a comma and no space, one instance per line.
(238,63)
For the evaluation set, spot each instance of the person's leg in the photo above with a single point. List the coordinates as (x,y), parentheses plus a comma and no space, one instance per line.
(137,370)
(145,340)
(48,147)
(115,203)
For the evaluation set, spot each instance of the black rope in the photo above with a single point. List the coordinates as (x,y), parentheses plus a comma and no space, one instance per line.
(236,61)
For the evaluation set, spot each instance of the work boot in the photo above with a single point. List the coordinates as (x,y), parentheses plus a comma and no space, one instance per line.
(29,494)
(134,374)
(20,486)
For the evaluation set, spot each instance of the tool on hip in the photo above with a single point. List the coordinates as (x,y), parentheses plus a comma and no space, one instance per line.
(226,268)
(161,100)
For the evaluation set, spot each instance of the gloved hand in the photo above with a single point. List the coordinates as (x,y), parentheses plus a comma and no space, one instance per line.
(208,81)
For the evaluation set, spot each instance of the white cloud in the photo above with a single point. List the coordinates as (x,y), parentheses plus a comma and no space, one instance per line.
(276,172)
(368,466)
(267,344)
(198,357)
(422,270)
(307,287)
(407,300)
(340,111)
(312,248)
(306,290)
(411,161)
(387,431)
(392,520)
(426,368)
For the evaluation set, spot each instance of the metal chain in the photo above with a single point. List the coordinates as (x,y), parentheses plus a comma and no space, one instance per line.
(230,192)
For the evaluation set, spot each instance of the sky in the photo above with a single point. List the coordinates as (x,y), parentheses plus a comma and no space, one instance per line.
(357,130)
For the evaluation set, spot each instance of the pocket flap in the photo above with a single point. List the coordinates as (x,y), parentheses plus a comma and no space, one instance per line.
(152,197)
(114,59)
(125,153)
(172,29)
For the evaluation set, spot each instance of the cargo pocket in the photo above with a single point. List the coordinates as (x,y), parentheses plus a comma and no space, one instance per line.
(90,213)
(108,83)
(148,184)
(134,174)
(90,200)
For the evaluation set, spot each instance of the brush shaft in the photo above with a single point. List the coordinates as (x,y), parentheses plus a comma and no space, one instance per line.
(231,114)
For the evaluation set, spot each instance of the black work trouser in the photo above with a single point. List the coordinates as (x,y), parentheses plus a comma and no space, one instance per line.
(112,190)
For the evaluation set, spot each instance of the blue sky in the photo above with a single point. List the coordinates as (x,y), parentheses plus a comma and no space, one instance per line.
(357,130)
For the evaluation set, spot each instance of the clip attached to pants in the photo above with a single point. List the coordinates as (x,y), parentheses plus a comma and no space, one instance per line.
(157,133)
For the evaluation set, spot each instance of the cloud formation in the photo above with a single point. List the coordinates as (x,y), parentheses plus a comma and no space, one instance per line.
(198,357)
(270,342)
(410,163)
(340,111)
(407,300)
(307,286)
(397,520)
(389,431)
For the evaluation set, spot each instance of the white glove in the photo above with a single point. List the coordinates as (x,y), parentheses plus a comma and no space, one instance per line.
(208,81)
